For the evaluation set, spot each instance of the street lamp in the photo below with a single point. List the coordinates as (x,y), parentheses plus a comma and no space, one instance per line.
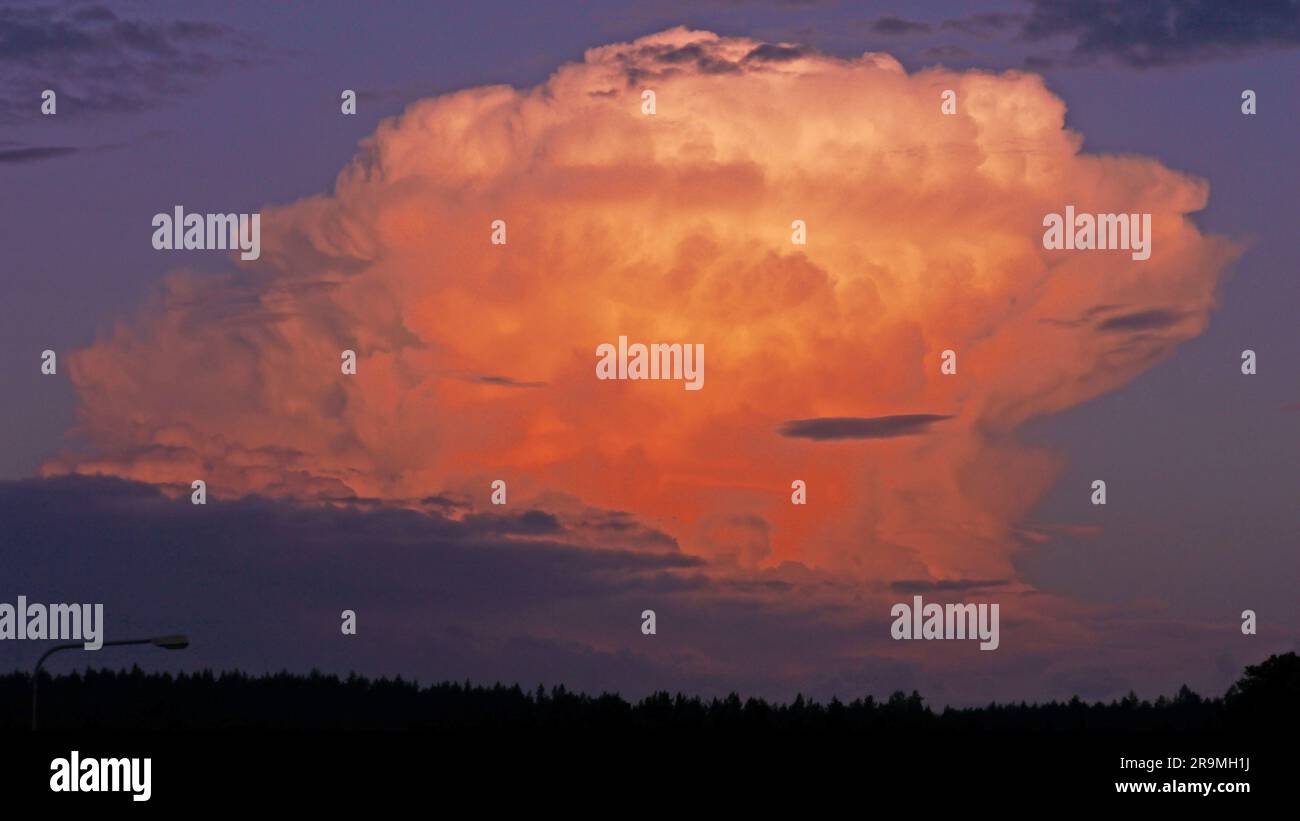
(175,642)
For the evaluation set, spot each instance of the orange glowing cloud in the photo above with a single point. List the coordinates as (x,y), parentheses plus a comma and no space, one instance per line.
(478,361)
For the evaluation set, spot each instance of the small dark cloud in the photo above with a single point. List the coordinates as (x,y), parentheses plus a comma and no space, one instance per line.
(507,382)
(1161,32)
(685,54)
(1152,320)
(703,57)
(1085,318)
(897,26)
(35,153)
(770,53)
(17,153)
(526,523)
(859,427)
(446,504)
(713,65)
(365,95)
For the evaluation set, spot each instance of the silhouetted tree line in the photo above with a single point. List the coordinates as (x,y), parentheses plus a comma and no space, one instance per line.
(1266,696)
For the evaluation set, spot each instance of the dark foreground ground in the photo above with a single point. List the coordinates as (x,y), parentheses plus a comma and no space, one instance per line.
(301,741)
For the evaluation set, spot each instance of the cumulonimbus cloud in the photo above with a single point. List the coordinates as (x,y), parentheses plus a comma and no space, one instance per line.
(923,235)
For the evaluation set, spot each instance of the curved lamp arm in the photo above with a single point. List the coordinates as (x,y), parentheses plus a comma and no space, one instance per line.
(172,642)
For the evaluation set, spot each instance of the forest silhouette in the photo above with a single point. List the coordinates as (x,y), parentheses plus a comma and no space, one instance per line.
(1267,696)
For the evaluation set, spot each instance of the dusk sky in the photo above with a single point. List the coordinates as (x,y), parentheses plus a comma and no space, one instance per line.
(477,362)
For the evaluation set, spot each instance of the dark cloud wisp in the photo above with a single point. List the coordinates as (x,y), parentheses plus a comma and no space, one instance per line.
(860,427)
(1163,32)
(99,61)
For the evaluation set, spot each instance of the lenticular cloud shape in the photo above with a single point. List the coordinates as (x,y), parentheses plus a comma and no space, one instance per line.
(476,361)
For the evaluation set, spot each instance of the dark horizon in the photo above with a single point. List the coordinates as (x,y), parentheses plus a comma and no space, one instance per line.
(1265,696)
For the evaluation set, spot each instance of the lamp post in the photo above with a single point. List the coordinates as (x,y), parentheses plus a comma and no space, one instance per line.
(176,642)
